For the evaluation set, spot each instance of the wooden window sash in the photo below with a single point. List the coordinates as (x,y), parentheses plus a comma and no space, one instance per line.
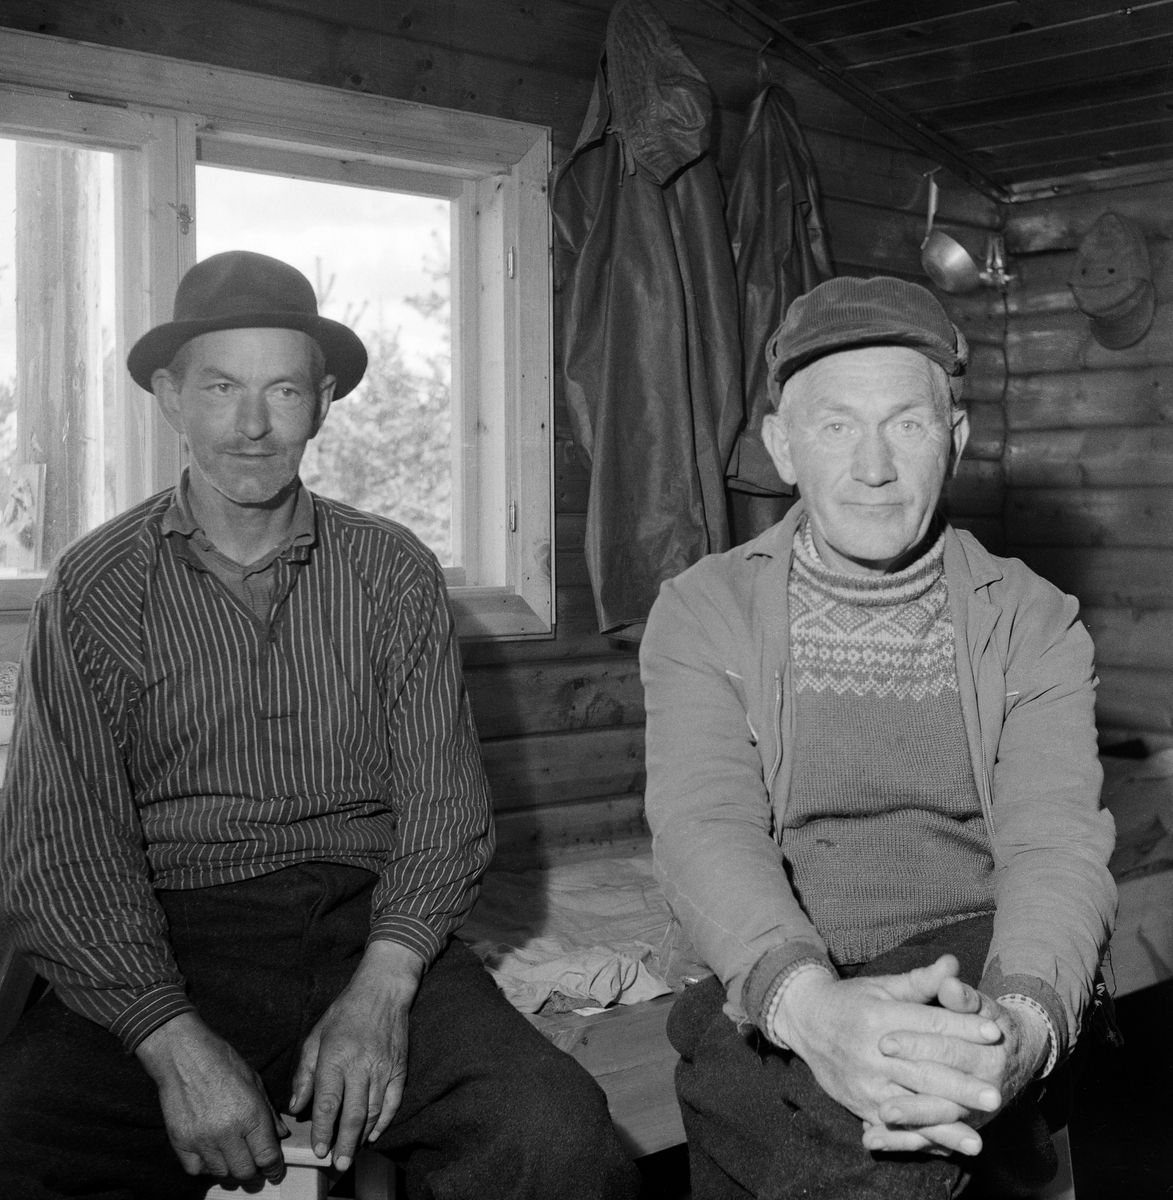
(495,172)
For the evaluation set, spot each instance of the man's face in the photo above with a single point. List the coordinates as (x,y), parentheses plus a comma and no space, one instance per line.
(868,437)
(246,405)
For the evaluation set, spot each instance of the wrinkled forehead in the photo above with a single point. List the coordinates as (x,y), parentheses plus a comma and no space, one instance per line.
(870,375)
(291,348)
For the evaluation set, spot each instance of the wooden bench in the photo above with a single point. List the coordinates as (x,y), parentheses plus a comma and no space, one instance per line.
(308,1178)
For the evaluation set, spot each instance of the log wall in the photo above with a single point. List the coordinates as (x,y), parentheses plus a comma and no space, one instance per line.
(562,720)
(1089,451)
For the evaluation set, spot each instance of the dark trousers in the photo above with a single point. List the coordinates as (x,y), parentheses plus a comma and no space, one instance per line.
(759,1124)
(490,1108)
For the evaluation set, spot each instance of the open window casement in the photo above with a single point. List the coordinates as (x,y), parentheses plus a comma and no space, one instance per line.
(138,130)
(96,255)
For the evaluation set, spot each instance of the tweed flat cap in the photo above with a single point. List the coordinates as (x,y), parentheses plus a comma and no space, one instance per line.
(846,313)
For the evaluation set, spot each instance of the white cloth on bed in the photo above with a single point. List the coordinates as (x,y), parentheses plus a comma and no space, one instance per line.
(598,932)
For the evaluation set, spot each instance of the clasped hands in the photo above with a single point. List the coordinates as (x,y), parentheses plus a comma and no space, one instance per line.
(921,1058)
(353,1065)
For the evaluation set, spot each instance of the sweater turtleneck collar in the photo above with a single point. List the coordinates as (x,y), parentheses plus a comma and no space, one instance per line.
(900,587)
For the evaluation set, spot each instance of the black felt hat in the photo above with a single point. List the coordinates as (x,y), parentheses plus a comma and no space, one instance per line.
(242,290)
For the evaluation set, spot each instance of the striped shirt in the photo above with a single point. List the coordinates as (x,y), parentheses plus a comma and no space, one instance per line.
(167,736)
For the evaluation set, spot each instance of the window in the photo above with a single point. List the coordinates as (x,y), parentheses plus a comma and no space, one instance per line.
(388,447)
(424,229)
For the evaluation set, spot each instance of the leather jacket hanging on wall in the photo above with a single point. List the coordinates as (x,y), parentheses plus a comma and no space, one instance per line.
(647,302)
(781,249)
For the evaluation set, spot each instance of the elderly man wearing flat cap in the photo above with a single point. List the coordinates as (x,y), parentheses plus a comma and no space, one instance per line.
(874,790)
(245,813)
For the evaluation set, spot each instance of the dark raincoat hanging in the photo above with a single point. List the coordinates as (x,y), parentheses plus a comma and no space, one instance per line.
(651,356)
(780,246)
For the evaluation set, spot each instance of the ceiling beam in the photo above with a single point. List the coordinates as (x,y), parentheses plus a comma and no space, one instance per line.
(813,62)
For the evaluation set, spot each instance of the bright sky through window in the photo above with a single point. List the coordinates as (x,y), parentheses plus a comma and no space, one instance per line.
(378,246)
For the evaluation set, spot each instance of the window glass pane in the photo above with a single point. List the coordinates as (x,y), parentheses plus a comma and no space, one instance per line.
(56,349)
(380,263)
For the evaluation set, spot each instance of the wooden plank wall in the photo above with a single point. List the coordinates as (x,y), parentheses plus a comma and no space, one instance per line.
(1089,454)
(572,768)
(562,720)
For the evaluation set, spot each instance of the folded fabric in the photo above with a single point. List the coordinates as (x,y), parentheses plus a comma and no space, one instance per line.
(598,932)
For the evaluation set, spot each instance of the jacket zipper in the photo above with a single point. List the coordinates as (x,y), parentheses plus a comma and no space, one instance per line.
(987,788)
(777,730)
(987,798)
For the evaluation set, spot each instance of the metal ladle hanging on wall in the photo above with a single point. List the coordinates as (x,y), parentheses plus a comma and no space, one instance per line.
(950,265)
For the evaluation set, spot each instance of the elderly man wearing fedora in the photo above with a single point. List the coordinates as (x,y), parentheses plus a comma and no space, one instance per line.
(874,790)
(245,813)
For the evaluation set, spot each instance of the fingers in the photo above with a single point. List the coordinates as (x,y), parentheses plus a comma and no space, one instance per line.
(264,1149)
(349,1088)
(192,1163)
(890,1141)
(328,1088)
(360,1108)
(358,1103)
(239,1158)
(980,1060)
(921,985)
(233,1158)
(931,1081)
(303,1078)
(392,1095)
(959,997)
(952,1138)
(221,1122)
(970,1027)
(919,1110)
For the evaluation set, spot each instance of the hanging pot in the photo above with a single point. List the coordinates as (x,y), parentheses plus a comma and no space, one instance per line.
(944,259)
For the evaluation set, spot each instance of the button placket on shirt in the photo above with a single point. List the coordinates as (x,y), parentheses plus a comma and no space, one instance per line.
(268,662)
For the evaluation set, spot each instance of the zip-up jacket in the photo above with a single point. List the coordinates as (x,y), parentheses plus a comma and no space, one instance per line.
(720,728)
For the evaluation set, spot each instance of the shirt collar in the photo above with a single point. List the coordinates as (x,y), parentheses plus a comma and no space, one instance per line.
(303,528)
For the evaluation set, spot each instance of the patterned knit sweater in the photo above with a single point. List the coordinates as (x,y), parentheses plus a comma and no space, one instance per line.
(883,831)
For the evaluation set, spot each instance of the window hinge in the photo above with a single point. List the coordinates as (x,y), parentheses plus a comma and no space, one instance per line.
(512,518)
(183,213)
(509,262)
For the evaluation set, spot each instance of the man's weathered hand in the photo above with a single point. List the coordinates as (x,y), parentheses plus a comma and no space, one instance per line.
(836,1026)
(218,1118)
(1006,1066)
(354,1062)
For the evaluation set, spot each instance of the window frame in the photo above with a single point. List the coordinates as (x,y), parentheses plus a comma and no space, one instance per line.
(163,115)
